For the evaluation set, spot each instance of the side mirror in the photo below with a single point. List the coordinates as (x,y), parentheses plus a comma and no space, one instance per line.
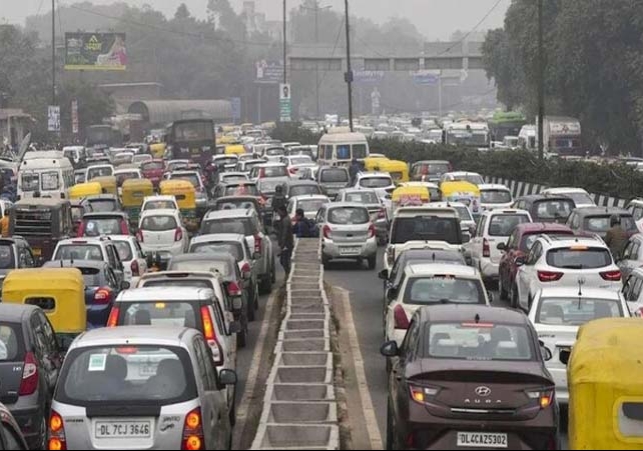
(502,246)
(545,351)
(383,274)
(256,256)
(389,349)
(520,261)
(565,354)
(125,285)
(234,328)
(228,377)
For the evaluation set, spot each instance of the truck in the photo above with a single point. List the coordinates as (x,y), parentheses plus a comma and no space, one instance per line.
(562,136)
(506,123)
(191,139)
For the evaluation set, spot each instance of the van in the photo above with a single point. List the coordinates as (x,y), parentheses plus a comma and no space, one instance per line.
(339,148)
(332,179)
(49,174)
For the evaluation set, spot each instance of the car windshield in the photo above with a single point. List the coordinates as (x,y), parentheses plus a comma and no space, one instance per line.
(554,209)
(300,160)
(128,374)
(302,190)
(576,311)
(124,250)
(160,205)
(495,196)
(12,346)
(366,198)
(579,257)
(100,171)
(426,229)
(601,224)
(152,166)
(79,252)
(444,289)
(7,257)
(335,175)
(436,168)
(478,341)
(160,223)
(242,226)
(528,240)
(103,205)
(243,189)
(504,225)
(103,226)
(222,247)
(219,266)
(348,215)
(375,182)
(311,204)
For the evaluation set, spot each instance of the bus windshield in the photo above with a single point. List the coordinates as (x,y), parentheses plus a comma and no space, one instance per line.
(194,131)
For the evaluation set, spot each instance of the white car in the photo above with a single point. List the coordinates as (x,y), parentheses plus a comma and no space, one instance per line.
(98,170)
(162,231)
(467,222)
(635,206)
(297,162)
(557,314)
(494,227)
(580,197)
(462,176)
(494,195)
(159,203)
(381,182)
(426,284)
(310,203)
(132,256)
(564,261)
(233,177)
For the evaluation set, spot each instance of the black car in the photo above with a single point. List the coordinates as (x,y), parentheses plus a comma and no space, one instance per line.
(546,207)
(15,252)
(10,436)
(470,376)
(30,362)
(101,287)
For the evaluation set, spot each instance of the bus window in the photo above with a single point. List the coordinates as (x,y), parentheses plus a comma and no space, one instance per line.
(359,151)
(343,152)
(328,153)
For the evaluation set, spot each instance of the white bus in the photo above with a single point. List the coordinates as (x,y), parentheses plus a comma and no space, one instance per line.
(45,174)
(338,148)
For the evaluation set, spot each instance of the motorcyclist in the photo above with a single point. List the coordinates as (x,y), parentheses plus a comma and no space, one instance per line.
(616,238)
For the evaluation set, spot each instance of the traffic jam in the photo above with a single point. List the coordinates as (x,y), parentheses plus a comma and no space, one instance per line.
(131,275)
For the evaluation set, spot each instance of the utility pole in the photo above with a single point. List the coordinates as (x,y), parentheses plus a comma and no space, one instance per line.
(541,82)
(53,52)
(349,71)
(316,10)
(285,45)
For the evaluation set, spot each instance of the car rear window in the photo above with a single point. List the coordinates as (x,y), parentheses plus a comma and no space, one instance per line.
(159,223)
(152,166)
(494,196)
(334,176)
(128,374)
(273,171)
(161,313)
(529,239)
(436,168)
(504,225)
(192,178)
(268,185)
(362,198)
(12,347)
(443,289)
(102,226)
(601,223)
(576,312)
(303,190)
(7,257)
(104,171)
(231,248)
(103,205)
(207,265)
(375,182)
(348,215)
(424,228)
(311,204)
(243,226)
(580,198)
(79,252)
(478,341)
(91,276)
(300,160)
(235,205)
(120,178)
(245,189)
(192,283)
(124,250)
(580,257)
(160,205)
(554,209)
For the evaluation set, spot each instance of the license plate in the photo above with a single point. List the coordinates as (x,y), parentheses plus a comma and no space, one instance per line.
(147,369)
(349,250)
(123,429)
(482,440)
(36,252)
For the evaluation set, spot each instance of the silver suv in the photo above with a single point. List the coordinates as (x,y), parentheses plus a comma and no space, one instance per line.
(144,387)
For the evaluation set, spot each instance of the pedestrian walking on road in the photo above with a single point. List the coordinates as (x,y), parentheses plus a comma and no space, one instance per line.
(285,239)
(616,238)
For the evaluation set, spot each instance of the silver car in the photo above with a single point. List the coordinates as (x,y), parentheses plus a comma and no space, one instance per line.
(140,387)
(347,232)
(377,210)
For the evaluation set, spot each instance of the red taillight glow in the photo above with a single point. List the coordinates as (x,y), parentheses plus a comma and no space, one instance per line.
(124,228)
(139,236)
(178,234)
(112,321)
(56,432)
(81,229)
(211,336)
(103,295)
(246,268)
(401,320)
(193,431)
(29,382)
(371,231)
(549,276)
(136,269)
(612,276)
(381,214)
(486,249)
(326,231)
(258,243)
(234,289)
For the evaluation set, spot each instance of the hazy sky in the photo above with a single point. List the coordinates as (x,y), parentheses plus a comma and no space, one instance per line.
(436,19)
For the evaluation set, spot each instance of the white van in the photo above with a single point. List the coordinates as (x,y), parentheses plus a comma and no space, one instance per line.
(340,146)
(47,173)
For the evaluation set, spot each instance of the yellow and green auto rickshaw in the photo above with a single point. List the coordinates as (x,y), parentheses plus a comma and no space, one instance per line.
(157,150)
(410,196)
(373,163)
(463,192)
(605,385)
(108,184)
(398,170)
(59,292)
(185,195)
(235,149)
(134,192)
(82,190)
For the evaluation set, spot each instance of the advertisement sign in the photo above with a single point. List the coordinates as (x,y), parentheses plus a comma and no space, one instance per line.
(74,116)
(426,77)
(368,76)
(285,102)
(270,72)
(53,118)
(95,51)
(235,102)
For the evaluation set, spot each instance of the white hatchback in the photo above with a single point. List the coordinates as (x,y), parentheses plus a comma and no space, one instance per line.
(162,231)
(132,256)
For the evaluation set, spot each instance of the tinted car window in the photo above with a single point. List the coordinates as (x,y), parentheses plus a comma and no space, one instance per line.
(303,190)
(503,225)
(241,226)
(348,216)
(362,198)
(554,209)
(92,277)
(79,252)
(103,205)
(124,250)
(375,182)
(601,224)
(233,248)
(580,258)
(426,229)
(437,289)
(7,257)
(159,223)
(334,176)
(99,172)
(580,198)
(11,342)
(235,205)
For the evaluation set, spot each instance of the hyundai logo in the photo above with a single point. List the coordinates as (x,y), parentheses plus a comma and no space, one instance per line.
(483,391)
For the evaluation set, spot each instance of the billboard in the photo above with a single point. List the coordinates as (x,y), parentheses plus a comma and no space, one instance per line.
(95,51)
(53,118)
(270,72)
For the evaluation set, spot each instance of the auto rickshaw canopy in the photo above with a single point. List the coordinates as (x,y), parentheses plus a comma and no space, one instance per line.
(82,190)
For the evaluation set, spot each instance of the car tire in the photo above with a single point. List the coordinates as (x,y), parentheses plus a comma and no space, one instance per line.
(515,302)
(504,294)
(266,285)
(390,440)
(43,429)
(372,262)
(242,339)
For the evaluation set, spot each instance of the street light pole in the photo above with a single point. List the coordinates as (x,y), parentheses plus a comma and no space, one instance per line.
(285,45)
(316,67)
(349,71)
(541,82)
(53,52)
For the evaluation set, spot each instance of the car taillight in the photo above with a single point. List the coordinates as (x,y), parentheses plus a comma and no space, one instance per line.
(258,243)
(425,169)
(103,295)
(486,249)
(124,229)
(193,431)
(139,236)
(112,321)
(545,397)
(234,289)
(81,229)
(178,234)
(549,276)
(29,382)
(371,231)
(56,434)
(381,214)
(612,276)
(293,170)
(420,394)
(401,320)
(136,269)
(326,231)
(211,336)
(246,268)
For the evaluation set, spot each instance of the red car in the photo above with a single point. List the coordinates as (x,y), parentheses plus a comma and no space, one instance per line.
(518,245)
(153,171)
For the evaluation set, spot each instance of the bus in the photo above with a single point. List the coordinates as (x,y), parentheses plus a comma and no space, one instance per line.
(339,147)
(191,139)
(102,137)
(468,134)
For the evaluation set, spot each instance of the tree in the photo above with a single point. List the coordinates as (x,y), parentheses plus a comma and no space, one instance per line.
(182,12)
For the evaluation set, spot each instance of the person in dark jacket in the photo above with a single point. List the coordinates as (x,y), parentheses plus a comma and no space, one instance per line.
(285,239)
(354,169)
(304,227)
(616,238)
(278,201)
